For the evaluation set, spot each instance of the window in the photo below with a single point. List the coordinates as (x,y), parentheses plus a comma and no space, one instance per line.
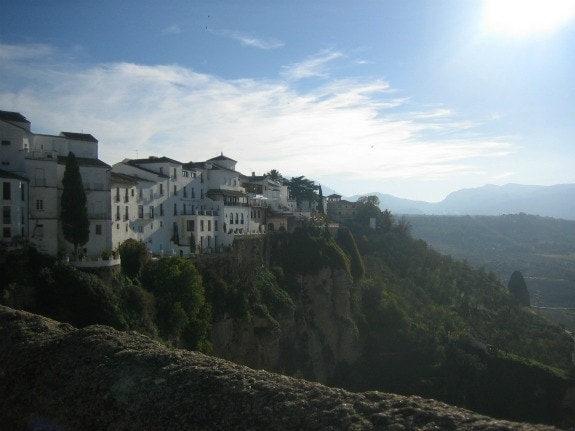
(175,174)
(140,211)
(98,229)
(242,218)
(190,225)
(215,225)
(175,190)
(132,192)
(201,225)
(185,192)
(6,232)
(22,197)
(6,219)
(175,209)
(209,225)
(40,205)
(117,212)
(161,189)
(185,173)
(161,170)
(6,191)
(161,209)
(5,143)
(151,211)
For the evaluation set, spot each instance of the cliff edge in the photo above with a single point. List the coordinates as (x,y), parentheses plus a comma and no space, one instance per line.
(56,377)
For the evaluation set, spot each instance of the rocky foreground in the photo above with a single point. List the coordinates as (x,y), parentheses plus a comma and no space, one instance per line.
(56,377)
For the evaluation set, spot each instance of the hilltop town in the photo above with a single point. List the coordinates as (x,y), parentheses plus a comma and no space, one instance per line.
(175,208)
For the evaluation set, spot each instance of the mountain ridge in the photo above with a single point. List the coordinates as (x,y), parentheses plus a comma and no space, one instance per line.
(557,201)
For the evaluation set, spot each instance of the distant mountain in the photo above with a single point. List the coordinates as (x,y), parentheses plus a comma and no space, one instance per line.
(556,201)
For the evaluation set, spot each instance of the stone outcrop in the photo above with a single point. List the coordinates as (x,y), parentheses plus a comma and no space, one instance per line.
(309,341)
(56,377)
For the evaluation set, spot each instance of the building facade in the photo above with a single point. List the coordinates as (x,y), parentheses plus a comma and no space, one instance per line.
(174,208)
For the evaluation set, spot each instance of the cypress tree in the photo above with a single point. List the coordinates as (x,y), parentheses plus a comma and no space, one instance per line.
(74,212)
(518,289)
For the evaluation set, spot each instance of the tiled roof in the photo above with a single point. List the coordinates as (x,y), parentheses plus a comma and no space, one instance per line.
(221,157)
(152,159)
(145,169)
(85,161)
(79,136)
(116,177)
(13,116)
(12,175)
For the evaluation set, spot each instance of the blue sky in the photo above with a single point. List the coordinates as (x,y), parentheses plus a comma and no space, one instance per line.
(415,98)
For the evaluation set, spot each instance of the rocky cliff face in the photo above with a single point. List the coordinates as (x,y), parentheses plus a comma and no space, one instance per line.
(309,341)
(55,377)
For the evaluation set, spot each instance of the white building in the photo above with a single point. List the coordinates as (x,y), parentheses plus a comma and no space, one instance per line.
(41,160)
(182,208)
(173,207)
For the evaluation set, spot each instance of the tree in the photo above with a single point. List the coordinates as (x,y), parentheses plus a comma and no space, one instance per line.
(74,214)
(518,289)
(302,189)
(183,315)
(134,255)
(274,174)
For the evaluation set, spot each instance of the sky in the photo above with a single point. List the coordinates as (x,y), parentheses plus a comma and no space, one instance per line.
(413,98)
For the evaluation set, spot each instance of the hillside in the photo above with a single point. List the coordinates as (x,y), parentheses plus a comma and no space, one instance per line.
(542,248)
(556,201)
(360,309)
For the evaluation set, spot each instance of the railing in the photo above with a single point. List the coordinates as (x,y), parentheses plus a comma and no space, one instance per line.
(200,212)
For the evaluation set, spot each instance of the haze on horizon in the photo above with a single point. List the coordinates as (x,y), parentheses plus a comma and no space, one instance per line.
(411,98)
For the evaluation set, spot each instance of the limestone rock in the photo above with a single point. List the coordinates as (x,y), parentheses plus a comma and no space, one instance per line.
(55,377)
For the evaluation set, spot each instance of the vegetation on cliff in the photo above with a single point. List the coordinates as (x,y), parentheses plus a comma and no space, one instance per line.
(426,323)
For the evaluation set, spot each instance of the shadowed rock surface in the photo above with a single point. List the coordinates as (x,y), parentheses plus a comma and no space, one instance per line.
(56,377)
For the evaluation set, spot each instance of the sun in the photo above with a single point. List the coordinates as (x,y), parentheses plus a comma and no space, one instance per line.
(527,17)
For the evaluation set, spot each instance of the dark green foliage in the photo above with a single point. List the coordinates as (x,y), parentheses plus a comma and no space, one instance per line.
(307,250)
(240,295)
(69,295)
(518,289)
(74,212)
(138,308)
(135,255)
(302,189)
(183,315)
(426,321)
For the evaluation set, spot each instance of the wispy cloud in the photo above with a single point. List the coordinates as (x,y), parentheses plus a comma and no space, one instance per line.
(344,130)
(250,40)
(314,66)
(172,29)
(25,52)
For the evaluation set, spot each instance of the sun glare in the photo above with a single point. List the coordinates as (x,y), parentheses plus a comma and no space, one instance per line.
(527,17)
